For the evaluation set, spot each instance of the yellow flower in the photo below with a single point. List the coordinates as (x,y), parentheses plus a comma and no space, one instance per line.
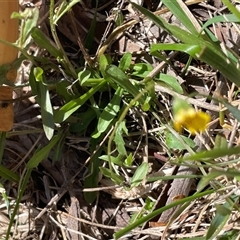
(194,121)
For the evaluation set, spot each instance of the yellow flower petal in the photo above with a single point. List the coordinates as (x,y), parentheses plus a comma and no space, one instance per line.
(192,120)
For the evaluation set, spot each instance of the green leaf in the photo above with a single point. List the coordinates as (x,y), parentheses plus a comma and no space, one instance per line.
(83,119)
(125,61)
(121,79)
(232,8)
(83,76)
(234,110)
(220,142)
(172,82)
(211,154)
(38,73)
(223,18)
(230,173)
(110,112)
(129,160)
(173,143)
(141,69)
(119,141)
(43,153)
(116,160)
(69,108)
(211,53)
(222,216)
(190,49)
(91,181)
(44,43)
(104,61)
(63,8)
(8,174)
(180,14)
(157,212)
(29,21)
(113,176)
(6,200)
(45,104)
(140,174)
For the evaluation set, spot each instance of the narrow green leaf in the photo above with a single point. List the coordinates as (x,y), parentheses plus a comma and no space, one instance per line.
(220,142)
(122,80)
(44,43)
(8,174)
(222,216)
(21,190)
(113,176)
(119,141)
(83,76)
(141,69)
(155,213)
(172,82)
(110,112)
(231,173)
(211,53)
(104,61)
(232,8)
(140,174)
(223,18)
(91,181)
(5,198)
(38,73)
(190,49)
(45,104)
(83,119)
(180,14)
(64,7)
(129,160)
(234,110)
(43,153)
(69,108)
(29,21)
(173,143)
(116,160)
(211,154)
(125,61)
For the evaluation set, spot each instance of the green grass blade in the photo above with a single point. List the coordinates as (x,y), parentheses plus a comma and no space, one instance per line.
(139,175)
(190,49)
(230,173)
(222,215)
(125,61)
(211,154)
(63,8)
(234,110)
(69,108)
(158,211)
(121,79)
(43,153)
(171,82)
(44,43)
(22,188)
(109,113)
(45,103)
(222,18)
(8,174)
(180,14)
(91,181)
(211,52)
(232,8)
